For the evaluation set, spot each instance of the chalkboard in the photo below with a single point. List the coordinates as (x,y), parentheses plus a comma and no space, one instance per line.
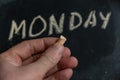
(92,28)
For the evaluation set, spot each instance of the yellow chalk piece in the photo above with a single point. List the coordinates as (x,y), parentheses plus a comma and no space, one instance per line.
(61,40)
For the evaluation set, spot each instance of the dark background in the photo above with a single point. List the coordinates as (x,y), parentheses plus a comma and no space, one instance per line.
(97,50)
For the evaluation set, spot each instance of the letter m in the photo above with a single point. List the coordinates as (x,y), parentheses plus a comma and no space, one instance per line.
(15,29)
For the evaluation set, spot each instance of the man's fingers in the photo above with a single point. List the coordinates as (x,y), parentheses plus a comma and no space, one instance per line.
(61,75)
(31,59)
(64,63)
(27,48)
(68,62)
(67,52)
(52,71)
(47,61)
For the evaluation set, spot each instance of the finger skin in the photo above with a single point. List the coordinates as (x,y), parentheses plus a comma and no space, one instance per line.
(68,62)
(33,58)
(30,47)
(64,63)
(26,49)
(46,62)
(65,74)
(66,52)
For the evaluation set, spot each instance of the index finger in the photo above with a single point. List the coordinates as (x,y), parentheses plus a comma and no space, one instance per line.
(30,47)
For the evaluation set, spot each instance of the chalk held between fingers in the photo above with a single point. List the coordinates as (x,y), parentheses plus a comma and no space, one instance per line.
(61,40)
(50,57)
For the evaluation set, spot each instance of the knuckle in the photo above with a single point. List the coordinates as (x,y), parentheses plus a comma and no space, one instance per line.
(29,46)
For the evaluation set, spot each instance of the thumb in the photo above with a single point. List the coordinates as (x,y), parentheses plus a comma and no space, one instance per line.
(48,60)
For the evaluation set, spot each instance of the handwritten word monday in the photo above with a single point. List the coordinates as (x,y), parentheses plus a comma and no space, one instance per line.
(58,26)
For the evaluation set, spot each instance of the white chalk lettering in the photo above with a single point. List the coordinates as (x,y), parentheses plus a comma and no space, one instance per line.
(72,20)
(33,22)
(53,24)
(15,29)
(105,19)
(91,20)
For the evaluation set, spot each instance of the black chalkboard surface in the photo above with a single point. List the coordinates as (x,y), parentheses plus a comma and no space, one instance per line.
(92,28)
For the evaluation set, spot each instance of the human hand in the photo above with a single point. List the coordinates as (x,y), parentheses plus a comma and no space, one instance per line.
(39,59)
